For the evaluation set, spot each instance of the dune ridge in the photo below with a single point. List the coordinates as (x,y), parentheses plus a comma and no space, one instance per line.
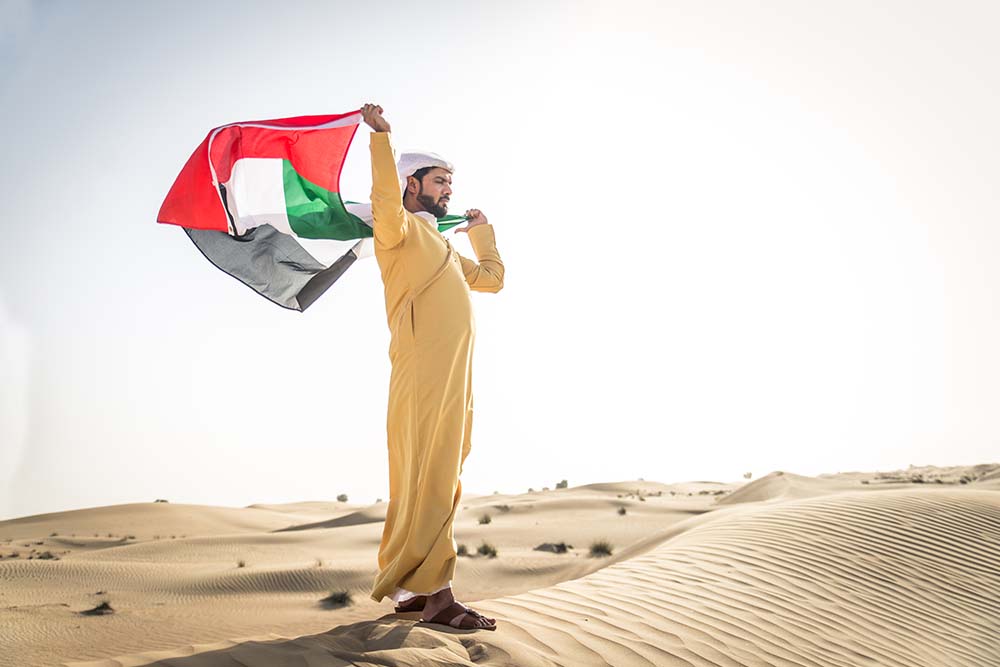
(898,577)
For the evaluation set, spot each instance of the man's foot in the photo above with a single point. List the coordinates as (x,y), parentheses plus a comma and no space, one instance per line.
(444,609)
(457,615)
(413,604)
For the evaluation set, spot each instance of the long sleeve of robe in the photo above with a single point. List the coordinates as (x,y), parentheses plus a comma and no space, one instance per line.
(429,418)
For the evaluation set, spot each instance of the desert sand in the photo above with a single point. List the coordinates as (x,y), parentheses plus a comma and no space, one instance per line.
(855,568)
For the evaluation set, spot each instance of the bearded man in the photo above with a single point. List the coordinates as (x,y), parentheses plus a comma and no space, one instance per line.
(429,421)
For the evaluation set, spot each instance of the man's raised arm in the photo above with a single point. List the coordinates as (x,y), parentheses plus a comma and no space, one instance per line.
(389,217)
(487,275)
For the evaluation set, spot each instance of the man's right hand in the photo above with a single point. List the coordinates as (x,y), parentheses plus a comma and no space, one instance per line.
(372,115)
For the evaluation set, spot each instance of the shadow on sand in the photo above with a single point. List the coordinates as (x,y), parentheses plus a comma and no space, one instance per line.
(394,640)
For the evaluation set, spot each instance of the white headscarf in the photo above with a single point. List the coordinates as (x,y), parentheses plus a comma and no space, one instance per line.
(409,163)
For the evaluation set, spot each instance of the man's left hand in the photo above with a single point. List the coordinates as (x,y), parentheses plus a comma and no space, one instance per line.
(473,217)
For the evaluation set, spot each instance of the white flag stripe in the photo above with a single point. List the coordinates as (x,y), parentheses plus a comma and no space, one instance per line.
(363,211)
(255,194)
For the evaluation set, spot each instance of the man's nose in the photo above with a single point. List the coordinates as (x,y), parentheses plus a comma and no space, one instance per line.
(447,189)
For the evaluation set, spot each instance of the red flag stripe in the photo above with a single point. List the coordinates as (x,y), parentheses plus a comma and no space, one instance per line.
(315,145)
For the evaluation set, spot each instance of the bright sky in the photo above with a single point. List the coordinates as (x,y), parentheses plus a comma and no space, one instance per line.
(737,240)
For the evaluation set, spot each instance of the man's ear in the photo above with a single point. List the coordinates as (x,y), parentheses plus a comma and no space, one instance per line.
(412,186)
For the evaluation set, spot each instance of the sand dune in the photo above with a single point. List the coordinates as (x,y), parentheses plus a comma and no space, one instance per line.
(780,486)
(787,570)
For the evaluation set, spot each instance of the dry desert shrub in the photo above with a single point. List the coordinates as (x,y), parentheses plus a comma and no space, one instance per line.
(103,608)
(336,599)
(485,519)
(600,548)
(621,511)
(487,549)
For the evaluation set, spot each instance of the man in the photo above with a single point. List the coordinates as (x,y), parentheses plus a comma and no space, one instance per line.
(429,420)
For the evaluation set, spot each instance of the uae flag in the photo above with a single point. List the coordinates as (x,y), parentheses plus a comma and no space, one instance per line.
(251,190)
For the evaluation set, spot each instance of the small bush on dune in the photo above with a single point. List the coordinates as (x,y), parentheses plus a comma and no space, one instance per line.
(342,498)
(485,519)
(621,511)
(100,610)
(562,485)
(337,599)
(241,563)
(487,549)
(600,548)
(462,550)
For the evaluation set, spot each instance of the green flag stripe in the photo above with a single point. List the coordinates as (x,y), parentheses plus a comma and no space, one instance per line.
(449,221)
(316,213)
(444,224)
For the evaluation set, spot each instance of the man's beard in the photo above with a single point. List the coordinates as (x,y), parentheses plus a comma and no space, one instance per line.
(435,208)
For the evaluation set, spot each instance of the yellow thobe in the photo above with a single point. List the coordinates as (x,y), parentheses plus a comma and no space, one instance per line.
(429,421)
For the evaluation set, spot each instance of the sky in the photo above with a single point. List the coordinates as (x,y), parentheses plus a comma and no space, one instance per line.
(738,237)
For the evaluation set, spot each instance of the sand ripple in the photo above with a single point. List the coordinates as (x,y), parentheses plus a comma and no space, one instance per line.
(893,578)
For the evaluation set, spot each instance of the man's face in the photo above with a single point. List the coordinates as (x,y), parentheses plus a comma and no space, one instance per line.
(435,191)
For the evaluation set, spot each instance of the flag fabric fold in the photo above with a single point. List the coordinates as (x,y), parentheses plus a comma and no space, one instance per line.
(251,189)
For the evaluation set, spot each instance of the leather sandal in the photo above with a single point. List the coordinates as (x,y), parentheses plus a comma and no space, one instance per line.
(413,604)
(453,616)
